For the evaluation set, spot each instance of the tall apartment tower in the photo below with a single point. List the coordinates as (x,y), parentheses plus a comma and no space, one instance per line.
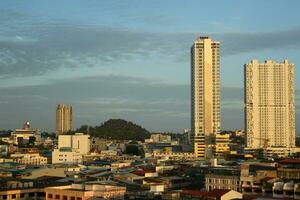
(205,94)
(270,104)
(63,119)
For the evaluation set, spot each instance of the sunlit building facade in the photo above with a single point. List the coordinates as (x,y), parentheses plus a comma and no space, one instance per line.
(270,104)
(205,94)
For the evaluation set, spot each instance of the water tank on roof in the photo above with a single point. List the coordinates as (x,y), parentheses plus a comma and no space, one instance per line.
(278,187)
(288,188)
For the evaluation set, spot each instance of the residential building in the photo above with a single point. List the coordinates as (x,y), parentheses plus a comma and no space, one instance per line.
(270,104)
(63,119)
(205,94)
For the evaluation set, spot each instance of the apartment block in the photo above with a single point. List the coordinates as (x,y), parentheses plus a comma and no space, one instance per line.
(205,94)
(270,104)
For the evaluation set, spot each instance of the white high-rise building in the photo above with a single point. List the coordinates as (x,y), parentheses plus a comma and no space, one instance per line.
(205,94)
(270,104)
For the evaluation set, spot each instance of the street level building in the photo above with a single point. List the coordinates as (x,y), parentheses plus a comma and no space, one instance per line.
(205,94)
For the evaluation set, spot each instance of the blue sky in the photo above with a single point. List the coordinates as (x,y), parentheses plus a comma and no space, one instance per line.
(130,59)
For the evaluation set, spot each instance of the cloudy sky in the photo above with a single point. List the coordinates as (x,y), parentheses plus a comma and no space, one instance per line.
(130,59)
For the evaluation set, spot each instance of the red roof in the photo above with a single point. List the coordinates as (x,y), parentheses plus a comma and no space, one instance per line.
(290,161)
(194,193)
(217,193)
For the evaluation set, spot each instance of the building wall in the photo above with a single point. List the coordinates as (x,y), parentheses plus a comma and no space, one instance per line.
(270,104)
(79,141)
(222,144)
(222,182)
(59,156)
(30,159)
(205,92)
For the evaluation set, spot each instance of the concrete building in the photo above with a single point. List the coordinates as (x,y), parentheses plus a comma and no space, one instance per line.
(63,119)
(229,182)
(222,144)
(270,104)
(71,148)
(205,94)
(89,190)
(29,159)
(26,135)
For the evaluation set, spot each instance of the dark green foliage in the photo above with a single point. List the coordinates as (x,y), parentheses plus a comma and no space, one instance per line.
(116,129)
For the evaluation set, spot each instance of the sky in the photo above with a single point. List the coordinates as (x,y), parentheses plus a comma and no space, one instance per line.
(131,59)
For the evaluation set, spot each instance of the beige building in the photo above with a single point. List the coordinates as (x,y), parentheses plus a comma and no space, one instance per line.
(205,94)
(89,190)
(270,104)
(222,144)
(222,182)
(29,159)
(71,148)
(63,119)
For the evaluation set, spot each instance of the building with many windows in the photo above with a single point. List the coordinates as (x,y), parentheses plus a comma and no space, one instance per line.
(270,104)
(63,119)
(205,94)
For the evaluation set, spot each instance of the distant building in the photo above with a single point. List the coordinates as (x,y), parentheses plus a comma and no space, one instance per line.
(159,138)
(205,94)
(71,148)
(270,104)
(63,119)
(29,159)
(230,182)
(26,135)
(222,144)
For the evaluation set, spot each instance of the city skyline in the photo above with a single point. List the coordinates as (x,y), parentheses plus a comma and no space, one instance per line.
(116,61)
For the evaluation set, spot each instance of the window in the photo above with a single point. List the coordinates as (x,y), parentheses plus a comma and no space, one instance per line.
(65,197)
(50,196)
(79,198)
(22,195)
(72,198)
(13,196)
(31,194)
(57,196)
(4,196)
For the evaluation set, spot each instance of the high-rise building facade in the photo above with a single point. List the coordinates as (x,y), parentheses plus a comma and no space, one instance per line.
(63,119)
(269,104)
(205,93)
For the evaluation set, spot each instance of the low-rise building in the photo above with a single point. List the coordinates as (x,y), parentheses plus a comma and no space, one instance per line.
(289,169)
(222,144)
(222,182)
(29,159)
(104,190)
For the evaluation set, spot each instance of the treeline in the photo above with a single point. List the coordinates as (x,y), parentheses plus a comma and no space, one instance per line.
(116,129)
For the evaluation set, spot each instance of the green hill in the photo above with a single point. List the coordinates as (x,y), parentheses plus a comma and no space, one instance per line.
(117,129)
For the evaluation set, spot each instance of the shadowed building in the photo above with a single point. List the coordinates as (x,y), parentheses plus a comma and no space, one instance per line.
(205,94)
(63,119)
